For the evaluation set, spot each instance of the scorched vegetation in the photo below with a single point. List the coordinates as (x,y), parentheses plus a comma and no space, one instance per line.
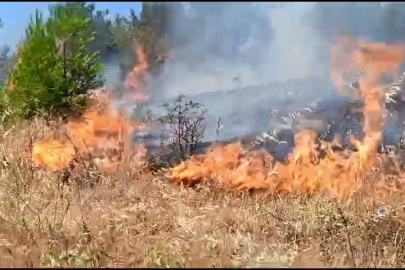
(76,190)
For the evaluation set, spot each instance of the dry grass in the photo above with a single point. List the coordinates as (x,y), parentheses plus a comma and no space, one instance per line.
(140,220)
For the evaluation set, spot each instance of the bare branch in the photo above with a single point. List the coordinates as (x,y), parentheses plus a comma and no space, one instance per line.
(185,124)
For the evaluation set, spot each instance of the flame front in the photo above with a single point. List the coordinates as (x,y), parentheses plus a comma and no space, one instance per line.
(311,169)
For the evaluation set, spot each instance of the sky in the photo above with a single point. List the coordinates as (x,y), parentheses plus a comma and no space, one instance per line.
(16,16)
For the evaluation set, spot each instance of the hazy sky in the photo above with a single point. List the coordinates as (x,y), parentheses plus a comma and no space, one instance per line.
(16,16)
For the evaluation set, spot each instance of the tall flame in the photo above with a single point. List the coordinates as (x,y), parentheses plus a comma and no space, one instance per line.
(136,82)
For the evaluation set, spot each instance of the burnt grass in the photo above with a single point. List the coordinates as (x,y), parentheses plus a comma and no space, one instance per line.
(133,218)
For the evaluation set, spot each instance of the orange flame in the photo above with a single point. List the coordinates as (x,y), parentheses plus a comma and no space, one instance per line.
(137,81)
(102,134)
(98,137)
(10,84)
(310,169)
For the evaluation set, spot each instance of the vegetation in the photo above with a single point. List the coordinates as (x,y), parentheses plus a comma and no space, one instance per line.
(70,46)
(64,72)
(140,220)
(68,49)
(185,123)
(3,53)
(134,218)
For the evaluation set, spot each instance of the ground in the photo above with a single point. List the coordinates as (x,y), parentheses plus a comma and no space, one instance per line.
(136,219)
(247,110)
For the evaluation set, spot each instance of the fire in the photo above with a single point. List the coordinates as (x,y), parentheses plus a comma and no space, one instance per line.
(137,81)
(99,137)
(312,168)
(10,84)
(53,153)
(102,134)
(337,173)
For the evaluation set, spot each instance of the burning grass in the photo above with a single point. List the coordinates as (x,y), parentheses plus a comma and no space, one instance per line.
(102,137)
(138,220)
(313,168)
(82,198)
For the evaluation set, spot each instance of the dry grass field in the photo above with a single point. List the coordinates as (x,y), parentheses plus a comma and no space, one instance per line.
(81,194)
(87,218)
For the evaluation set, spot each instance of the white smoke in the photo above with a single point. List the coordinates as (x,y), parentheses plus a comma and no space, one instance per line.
(291,53)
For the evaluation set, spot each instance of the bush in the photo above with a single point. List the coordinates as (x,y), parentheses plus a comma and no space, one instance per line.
(55,70)
(185,122)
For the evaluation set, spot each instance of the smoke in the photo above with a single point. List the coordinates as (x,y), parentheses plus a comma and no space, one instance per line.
(111,70)
(282,50)
(243,44)
(275,55)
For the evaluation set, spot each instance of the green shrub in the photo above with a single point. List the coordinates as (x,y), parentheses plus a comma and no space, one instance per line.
(55,69)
